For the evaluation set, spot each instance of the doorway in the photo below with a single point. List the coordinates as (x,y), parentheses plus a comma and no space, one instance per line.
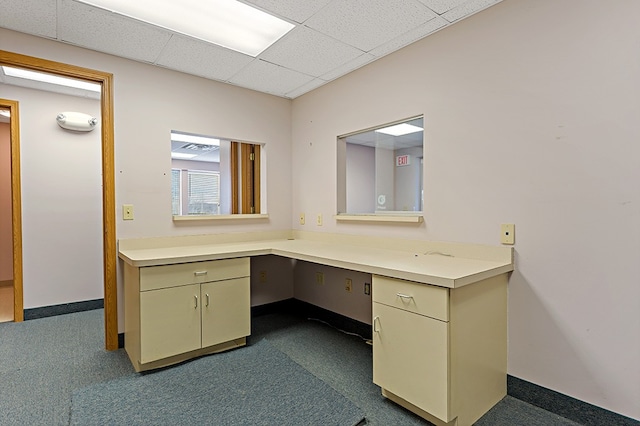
(108,185)
(10,253)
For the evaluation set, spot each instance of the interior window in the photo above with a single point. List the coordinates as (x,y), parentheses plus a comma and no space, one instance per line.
(380,169)
(214,176)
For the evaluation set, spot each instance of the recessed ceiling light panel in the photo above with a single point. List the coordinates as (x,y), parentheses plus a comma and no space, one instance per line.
(51,79)
(181,156)
(400,129)
(195,139)
(227,23)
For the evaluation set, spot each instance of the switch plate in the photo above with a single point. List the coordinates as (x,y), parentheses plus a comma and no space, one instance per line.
(319,219)
(127,212)
(367,289)
(263,276)
(320,278)
(301,218)
(508,233)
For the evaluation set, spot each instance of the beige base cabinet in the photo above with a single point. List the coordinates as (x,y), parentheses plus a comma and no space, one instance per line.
(177,312)
(441,352)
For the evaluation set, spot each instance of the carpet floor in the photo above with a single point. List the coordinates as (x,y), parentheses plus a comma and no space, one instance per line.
(43,361)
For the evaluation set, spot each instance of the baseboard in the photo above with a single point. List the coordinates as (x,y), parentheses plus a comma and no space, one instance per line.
(547,399)
(307,310)
(564,405)
(282,306)
(65,308)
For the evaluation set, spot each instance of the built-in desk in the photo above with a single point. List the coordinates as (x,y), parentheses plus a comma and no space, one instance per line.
(439,309)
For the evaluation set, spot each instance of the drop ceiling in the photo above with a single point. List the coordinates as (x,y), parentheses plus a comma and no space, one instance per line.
(331,37)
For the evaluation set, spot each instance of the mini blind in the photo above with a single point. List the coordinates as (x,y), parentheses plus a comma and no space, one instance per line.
(175,191)
(204,192)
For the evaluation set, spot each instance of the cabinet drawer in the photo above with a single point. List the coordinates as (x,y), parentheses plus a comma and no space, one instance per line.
(163,276)
(423,299)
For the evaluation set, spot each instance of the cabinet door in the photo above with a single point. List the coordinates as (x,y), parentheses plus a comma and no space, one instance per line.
(410,358)
(226,311)
(169,322)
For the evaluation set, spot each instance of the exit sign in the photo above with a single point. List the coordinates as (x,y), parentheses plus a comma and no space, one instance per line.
(402,160)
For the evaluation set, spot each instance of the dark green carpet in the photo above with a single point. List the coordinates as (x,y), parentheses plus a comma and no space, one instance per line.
(43,361)
(255,385)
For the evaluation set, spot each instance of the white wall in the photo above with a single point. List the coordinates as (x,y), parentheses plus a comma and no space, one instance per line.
(61,200)
(361,178)
(531,117)
(407,180)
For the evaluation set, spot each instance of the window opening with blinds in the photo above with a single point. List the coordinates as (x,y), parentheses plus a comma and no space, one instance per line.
(204,192)
(195,192)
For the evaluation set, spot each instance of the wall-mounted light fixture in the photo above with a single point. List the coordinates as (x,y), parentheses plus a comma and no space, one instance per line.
(77,121)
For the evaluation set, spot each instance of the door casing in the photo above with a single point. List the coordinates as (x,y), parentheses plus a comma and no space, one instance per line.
(108,184)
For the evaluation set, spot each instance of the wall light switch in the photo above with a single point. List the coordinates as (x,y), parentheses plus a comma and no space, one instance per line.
(508,233)
(319,219)
(127,212)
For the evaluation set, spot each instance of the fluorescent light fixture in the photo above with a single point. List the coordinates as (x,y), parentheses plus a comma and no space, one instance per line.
(202,140)
(5,113)
(227,23)
(50,78)
(400,129)
(181,156)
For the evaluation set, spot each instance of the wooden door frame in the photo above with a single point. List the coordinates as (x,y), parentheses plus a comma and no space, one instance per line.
(16,205)
(108,185)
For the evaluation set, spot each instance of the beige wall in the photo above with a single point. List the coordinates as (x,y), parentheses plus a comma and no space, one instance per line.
(149,103)
(531,117)
(6,236)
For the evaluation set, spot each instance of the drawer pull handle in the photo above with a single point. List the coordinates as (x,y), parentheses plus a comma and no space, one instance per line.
(375,323)
(404,296)
(200,273)
(207,294)
(195,307)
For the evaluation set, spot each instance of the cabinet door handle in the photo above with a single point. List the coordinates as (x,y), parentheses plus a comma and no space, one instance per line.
(404,296)
(200,273)
(196,297)
(375,323)
(207,294)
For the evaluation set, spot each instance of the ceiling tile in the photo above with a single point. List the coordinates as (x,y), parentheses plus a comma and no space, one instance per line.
(200,58)
(442,6)
(366,24)
(270,78)
(358,62)
(295,10)
(309,52)
(37,17)
(307,87)
(108,32)
(410,37)
(468,8)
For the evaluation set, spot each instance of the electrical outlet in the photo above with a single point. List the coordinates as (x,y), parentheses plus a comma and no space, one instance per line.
(319,219)
(301,218)
(320,278)
(348,285)
(367,289)
(263,276)
(508,233)
(127,212)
